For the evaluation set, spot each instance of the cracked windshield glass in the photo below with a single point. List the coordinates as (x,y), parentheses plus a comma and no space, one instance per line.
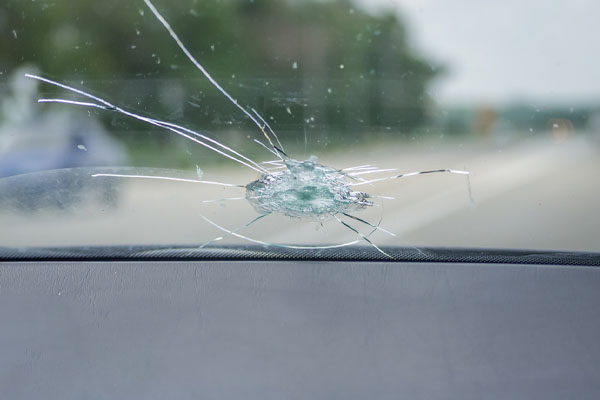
(300,124)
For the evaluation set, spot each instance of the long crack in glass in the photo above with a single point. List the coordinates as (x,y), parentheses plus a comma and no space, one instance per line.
(293,188)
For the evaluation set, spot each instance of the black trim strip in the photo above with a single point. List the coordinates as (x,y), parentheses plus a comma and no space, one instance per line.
(352,253)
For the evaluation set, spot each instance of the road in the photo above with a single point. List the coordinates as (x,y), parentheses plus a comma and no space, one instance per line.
(539,193)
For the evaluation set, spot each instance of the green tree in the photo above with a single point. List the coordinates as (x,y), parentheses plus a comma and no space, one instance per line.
(328,64)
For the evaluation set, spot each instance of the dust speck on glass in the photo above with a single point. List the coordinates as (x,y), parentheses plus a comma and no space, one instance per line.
(290,124)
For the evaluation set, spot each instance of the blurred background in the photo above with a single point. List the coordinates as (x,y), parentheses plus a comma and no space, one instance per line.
(507,90)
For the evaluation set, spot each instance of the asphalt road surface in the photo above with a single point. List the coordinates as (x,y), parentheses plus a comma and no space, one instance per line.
(539,193)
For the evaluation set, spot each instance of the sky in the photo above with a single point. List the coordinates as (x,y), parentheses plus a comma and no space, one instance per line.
(511,50)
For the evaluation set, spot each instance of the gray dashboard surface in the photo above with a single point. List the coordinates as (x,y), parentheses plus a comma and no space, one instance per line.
(296,330)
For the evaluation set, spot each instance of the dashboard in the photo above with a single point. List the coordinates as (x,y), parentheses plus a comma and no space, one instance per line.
(163,323)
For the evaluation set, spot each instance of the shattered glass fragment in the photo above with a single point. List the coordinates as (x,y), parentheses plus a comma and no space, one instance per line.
(305,189)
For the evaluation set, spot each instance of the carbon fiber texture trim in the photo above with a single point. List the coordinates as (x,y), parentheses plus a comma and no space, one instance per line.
(353,253)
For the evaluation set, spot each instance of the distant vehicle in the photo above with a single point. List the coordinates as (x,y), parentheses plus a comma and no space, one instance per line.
(32,141)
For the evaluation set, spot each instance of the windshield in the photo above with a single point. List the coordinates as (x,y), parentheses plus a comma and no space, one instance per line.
(300,124)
